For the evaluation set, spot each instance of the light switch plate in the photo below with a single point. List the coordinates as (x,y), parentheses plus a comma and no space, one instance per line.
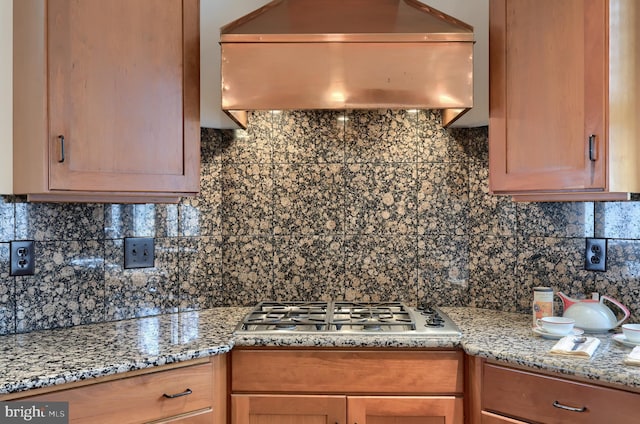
(139,252)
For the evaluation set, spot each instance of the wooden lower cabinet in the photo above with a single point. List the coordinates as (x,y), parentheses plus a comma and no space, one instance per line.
(319,409)
(489,418)
(187,393)
(288,409)
(502,394)
(405,409)
(287,386)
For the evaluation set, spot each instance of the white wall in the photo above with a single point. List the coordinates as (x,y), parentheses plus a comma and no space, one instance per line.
(476,14)
(213,15)
(6,96)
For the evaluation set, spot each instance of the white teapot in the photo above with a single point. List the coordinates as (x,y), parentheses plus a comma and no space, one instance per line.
(592,315)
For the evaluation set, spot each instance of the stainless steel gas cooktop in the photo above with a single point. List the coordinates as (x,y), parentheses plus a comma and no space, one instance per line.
(342,317)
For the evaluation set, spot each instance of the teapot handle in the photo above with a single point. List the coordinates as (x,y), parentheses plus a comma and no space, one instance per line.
(619,305)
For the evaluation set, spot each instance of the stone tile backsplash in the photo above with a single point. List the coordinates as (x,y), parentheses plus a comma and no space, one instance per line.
(355,205)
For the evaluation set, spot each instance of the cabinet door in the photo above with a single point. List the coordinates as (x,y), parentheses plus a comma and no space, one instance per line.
(547,95)
(272,409)
(489,418)
(204,418)
(123,92)
(405,410)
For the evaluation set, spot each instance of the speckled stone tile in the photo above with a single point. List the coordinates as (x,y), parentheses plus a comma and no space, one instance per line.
(617,220)
(475,143)
(380,199)
(379,268)
(201,215)
(308,137)
(307,268)
(247,199)
(488,214)
(551,262)
(443,198)
(141,220)
(308,199)
(59,221)
(435,143)
(443,270)
(211,145)
(201,273)
(564,219)
(252,145)
(144,291)
(66,291)
(7,293)
(380,136)
(621,281)
(247,270)
(492,272)
(7,222)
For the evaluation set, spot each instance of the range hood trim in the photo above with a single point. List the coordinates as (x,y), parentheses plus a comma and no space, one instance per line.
(447,116)
(347,38)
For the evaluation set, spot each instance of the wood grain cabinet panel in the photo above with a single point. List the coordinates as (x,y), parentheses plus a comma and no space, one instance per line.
(288,409)
(564,99)
(298,386)
(106,99)
(532,397)
(140,399)
(489,418)
(342,371)
(405,410)
(139,396)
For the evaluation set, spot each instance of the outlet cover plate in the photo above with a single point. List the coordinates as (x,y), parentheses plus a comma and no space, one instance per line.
(595,254)
(139,252)
(22,257)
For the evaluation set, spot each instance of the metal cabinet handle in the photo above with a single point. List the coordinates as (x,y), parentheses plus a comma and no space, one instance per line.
(593,151)
(177,395)
(61,137)
(569,408)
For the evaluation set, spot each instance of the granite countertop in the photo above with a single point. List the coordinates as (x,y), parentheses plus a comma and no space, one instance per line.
(508,338)
(51,357)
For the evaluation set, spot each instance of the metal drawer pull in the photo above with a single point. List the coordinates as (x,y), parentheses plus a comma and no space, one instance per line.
(177,395)
(569,408)
(593,153)
(61,137)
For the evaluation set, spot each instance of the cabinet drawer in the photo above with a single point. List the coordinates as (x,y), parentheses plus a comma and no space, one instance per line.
(532,397)
(140,399)
(318,371)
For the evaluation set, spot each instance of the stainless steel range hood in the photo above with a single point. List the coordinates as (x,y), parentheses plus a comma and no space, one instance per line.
(346,54)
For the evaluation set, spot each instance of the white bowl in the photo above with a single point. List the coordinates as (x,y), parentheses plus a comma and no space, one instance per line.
(631,332)
(556,325)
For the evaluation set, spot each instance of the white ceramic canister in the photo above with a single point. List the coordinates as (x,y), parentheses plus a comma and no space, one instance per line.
(542,303)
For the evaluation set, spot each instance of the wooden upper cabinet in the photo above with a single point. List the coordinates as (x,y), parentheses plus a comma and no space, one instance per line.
(107,100)
(564,99)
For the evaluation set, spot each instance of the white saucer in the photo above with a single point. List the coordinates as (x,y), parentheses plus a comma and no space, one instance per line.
(547,335)
(620,338)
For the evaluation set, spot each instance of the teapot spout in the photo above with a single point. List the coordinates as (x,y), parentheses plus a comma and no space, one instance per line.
(566,300)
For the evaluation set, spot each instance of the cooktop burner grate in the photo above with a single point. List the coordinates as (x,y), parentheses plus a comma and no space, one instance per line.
(346,317)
